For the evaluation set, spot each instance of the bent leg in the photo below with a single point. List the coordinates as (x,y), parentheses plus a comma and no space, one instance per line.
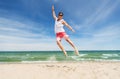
(71,43)
(61,47)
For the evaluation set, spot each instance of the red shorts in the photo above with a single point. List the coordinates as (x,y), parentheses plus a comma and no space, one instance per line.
(61,35)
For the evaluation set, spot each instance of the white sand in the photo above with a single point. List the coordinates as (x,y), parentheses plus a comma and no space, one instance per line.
(71,70)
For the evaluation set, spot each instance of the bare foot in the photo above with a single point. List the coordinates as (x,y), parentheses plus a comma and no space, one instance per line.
(65,53)
(77,52)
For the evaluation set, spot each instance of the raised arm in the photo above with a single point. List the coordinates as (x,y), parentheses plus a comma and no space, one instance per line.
(53,12)
(66,24)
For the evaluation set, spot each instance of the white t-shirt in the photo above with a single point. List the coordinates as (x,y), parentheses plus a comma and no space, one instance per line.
(59,26)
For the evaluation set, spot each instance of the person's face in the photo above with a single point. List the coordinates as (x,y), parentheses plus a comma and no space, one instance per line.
(60,16)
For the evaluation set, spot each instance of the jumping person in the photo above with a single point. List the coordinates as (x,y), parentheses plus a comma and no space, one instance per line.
(60,32)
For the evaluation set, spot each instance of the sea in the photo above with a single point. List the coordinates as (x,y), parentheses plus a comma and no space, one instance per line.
(58,56)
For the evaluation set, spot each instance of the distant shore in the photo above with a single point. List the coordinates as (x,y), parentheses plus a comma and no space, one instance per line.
(61,70)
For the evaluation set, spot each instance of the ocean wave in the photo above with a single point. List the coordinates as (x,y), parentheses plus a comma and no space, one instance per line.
(51,58)
(110,55)
(37,61)
(104,57)
(81,55)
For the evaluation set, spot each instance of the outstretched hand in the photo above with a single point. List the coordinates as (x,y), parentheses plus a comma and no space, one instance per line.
(52,7)
(73,30)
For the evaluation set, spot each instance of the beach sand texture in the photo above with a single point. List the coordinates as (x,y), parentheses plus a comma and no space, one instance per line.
(61,70)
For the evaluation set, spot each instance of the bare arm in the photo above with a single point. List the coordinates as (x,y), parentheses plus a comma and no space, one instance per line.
(53,12)
(66,24)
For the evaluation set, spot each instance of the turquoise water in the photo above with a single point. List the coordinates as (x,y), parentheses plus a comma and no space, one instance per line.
(57,56)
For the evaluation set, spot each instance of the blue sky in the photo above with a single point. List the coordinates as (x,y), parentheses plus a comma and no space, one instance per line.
(28,24)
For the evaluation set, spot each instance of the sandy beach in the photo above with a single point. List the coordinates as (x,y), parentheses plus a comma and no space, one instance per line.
(61,70)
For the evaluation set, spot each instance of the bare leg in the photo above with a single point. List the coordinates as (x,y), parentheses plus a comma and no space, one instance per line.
(71,43)
(61,47)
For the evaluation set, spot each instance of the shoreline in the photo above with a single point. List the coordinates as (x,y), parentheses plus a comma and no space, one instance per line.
(61,70)
(46,62)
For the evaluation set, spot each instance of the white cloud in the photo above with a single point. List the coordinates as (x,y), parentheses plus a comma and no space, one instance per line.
(94,17)
(24,25)
(55,0)
(20,43)
(110,31)
(102,12)
(15,35)
(19,29)
(106,38)
(28,47)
